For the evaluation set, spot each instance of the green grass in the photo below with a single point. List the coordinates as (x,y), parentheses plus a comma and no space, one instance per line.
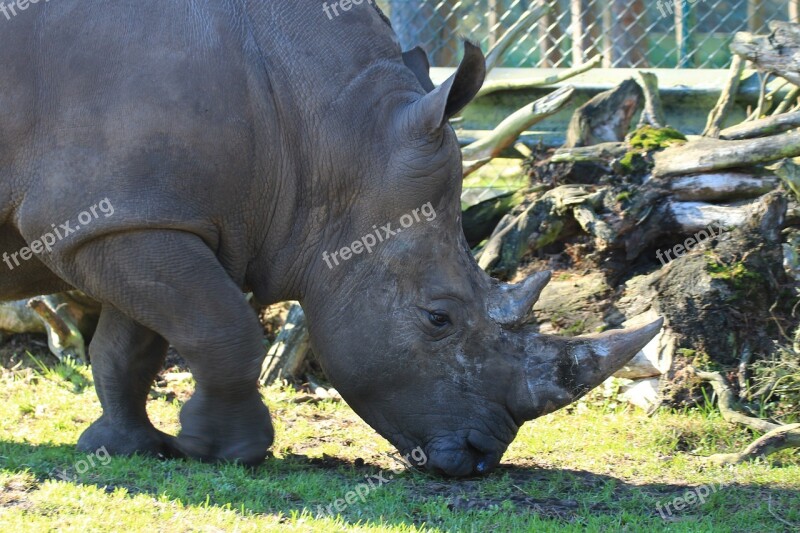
(589,468)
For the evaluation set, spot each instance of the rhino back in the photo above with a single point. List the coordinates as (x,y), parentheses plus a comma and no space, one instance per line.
(190,115)
(149,104)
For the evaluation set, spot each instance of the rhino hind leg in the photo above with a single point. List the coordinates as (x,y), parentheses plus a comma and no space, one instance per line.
(173,284)
(126,357)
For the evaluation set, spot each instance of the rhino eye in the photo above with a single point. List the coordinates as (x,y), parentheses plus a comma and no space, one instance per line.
(438,318)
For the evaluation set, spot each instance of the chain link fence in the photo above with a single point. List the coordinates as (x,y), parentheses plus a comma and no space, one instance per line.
(627,33)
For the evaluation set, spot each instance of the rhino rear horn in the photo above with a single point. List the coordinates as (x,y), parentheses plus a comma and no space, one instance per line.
(511,305)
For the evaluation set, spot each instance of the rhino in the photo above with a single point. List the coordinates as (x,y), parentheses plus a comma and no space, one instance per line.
(167,157)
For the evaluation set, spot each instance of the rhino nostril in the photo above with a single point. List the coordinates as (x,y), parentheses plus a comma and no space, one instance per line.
(483,461)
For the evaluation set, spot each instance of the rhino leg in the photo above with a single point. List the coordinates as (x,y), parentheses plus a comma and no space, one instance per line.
(126,357)
(173,284)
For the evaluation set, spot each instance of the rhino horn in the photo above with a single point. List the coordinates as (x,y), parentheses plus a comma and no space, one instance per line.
(559,370)
(511,305)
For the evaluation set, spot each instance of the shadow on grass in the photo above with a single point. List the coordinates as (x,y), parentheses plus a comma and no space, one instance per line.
(312,485)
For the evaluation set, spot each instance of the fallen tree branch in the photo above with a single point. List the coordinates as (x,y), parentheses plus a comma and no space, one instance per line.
(507,132)
(718,186)
(777,52)
(781,438)
(788,101)
(776,436)
(707,155)
(762,127)
(520,85)
(729,406)
(726,99)
(597,153)
(761,106)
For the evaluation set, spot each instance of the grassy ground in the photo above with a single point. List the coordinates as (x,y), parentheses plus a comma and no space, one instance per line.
(595,468)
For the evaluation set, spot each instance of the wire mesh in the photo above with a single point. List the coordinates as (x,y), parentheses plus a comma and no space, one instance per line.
(626,33)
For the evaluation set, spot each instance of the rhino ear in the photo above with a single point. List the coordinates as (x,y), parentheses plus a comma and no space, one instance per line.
(433,111)
(417,61)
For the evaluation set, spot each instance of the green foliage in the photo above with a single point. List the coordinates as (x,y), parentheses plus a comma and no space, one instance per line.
(648,138)
(738,276)
(624,196)
(65,372)
(645,140)
(776,385)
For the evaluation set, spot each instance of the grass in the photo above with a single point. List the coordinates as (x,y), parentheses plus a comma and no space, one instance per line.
(589,468)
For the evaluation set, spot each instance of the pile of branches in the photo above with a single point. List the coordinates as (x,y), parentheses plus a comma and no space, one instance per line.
(703,230)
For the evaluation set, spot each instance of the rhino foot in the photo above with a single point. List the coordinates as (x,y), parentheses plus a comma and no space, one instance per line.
(102,435)
(221,430)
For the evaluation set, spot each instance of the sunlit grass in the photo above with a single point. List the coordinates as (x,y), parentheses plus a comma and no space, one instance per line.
(593,468)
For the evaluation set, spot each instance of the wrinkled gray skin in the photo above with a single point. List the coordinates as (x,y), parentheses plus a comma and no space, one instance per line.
(237,142)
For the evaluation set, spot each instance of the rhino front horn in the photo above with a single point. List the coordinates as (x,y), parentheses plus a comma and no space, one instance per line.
(559,370)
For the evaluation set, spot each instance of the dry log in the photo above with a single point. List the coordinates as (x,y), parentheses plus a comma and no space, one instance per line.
(17,317)
(691,217)
(686,218)
(575,303)
(542,221)
(68,319)
(717,187)
(521,85)
(287,354)
(726,99)
(592,224)
(507,132)
(606,117)
(715,297)
(708,155)
(762,127)
(598,153)
(778,52)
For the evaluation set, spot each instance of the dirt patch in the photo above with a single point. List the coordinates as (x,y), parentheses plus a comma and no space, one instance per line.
(14,493)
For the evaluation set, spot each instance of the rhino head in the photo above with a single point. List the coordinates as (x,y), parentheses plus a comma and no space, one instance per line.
(439,357)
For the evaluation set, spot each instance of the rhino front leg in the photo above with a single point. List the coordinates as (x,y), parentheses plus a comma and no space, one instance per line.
(172,283)
(126,357)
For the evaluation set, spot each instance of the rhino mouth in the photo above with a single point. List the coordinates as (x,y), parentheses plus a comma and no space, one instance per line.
(473,454)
